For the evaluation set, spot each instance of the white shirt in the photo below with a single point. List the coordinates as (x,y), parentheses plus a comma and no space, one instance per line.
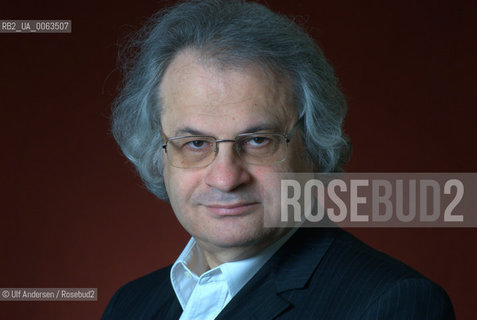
(203,297)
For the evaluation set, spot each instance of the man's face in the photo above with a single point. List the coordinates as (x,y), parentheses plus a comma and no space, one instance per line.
(223,205)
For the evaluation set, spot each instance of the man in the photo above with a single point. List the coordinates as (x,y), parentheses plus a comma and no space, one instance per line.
(222,98)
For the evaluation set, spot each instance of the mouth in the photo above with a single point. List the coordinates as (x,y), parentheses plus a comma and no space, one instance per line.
(235,209)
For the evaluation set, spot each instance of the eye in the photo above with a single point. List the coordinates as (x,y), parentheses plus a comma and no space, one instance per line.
(257,141)
(197,144)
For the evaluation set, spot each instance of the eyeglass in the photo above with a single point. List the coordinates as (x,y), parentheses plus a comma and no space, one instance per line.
(189,152)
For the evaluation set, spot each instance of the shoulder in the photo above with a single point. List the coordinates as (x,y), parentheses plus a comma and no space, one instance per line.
(141,297)
(410,298)
(353,279)
(356,261)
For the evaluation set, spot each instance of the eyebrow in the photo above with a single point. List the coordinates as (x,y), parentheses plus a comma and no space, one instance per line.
(256,128)
(190,131)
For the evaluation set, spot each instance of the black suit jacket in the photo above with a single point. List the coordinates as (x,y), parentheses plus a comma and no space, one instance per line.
(318,274)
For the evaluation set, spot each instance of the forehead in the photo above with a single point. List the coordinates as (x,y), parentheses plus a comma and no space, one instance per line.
(212,100)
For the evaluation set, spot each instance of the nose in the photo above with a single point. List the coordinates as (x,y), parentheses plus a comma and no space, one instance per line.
(227,172)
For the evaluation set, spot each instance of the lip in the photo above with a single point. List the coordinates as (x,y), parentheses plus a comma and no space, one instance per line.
(231,209)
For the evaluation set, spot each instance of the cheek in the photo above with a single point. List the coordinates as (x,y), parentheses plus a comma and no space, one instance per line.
(167,181)
(180,185)
(269,182)
(175,186)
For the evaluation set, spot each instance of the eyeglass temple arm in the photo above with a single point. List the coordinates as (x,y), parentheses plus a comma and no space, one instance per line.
(298,125)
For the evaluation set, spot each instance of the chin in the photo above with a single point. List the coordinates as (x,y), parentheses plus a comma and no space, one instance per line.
(233,242)
(241,238)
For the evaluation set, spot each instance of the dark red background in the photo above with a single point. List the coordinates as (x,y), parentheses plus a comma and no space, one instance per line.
(74,214)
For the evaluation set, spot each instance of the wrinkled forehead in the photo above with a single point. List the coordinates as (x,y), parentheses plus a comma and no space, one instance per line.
(193,91)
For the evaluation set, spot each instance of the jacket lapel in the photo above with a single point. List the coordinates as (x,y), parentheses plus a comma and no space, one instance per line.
(171,311)
(270,292)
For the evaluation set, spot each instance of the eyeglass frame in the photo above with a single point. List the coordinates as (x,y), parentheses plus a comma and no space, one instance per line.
(288,136)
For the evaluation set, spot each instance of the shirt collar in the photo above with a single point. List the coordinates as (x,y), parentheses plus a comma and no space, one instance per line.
(191,263)
(184,271)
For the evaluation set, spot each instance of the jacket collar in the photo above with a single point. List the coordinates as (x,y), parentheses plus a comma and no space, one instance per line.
(289,269)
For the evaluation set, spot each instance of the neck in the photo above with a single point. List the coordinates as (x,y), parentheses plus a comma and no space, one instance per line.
(216,255)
